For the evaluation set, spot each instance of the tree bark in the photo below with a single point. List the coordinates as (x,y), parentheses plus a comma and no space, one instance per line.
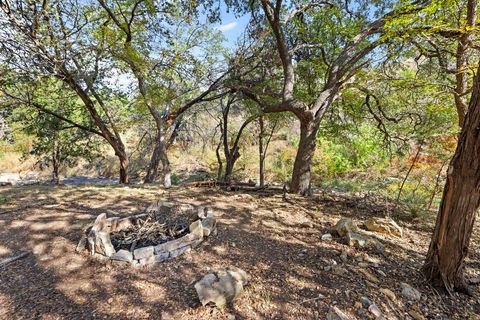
(123,167)
(444,265)
(461,75)
(55,165)
(261,170)
(301,174)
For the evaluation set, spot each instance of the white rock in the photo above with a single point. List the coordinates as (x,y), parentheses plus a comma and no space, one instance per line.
(143,253)
(208,225)
(375,310)
(103,245)
(221,288)
(355,239)
(122,255)
(327,237)
(196,229)
(409,292)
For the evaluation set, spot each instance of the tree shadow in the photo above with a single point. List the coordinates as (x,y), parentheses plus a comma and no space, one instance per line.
(286,260)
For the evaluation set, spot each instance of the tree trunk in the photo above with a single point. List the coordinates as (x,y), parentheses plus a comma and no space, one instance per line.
(444,264)
(166,174)
(55,166)
(233,156)
(301,169)
(152,170)
(261,166)
(219,159)
(123,168)
(113,138)
(461,75)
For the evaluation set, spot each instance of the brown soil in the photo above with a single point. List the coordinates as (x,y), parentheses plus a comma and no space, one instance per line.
(276,242)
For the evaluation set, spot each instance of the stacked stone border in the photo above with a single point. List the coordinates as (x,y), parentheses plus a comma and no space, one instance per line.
(96,238)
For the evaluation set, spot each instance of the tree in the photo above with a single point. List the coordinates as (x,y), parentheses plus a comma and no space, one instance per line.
(58,144)
(444,265)
(450,43)
(302,36)
(55,39)
(157,42)
(231,145)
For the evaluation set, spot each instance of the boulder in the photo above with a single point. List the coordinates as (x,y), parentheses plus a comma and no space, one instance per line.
(410,292)
(385,226)
(122,255)
(335,313)
(355,239)
(221,288)
(344,226)
(103,244)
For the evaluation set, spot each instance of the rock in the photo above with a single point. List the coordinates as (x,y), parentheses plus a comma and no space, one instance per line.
(122,255)
(368,275)
(201,212)
(306,224)
(344,256)
(208,225)
(410,293)
(355,239)
(221,288)
(385,226)
(186,240)
(123,224)
(143,253)
(175,253)
(358,305)
(373,309)
(161,257)
(196,229)
(327,237)
(344,226)
(389,293)
(100,222)
(339,270)
(103,245)
(82,244)
(416,315)
(335,313)
(365,301)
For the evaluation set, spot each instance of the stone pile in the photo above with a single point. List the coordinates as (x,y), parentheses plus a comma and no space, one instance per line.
(97,237)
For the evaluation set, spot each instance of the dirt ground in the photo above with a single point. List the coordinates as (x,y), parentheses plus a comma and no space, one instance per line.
(294,274)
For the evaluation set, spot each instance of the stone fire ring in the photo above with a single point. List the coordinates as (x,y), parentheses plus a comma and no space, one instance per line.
(96,238)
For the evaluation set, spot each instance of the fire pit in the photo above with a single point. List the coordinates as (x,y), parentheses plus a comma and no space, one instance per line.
(164,231)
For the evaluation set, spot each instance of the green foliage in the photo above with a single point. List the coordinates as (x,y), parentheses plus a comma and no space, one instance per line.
(58,145)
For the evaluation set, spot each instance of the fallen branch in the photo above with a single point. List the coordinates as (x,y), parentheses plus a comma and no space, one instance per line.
(11,259)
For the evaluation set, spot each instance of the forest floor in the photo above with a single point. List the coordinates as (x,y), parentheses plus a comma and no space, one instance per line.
(293,273)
